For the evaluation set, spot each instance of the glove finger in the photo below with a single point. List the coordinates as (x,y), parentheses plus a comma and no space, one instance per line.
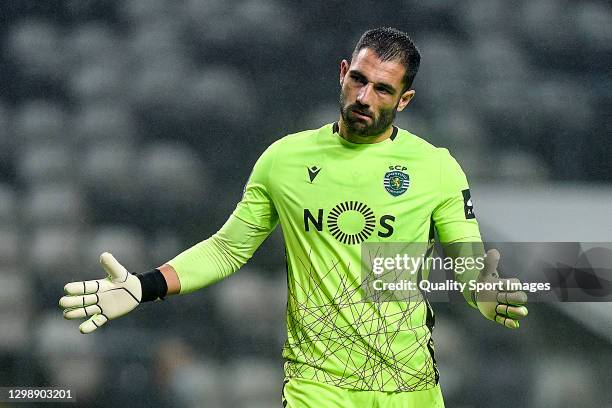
(81,312)
(513,312)
(508,283)
(68,302)
(93,323)
(115,270)
(507,322)
(491,261)
(83,287)
(517,298)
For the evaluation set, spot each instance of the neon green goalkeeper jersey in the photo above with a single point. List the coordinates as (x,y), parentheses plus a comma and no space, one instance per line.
(330,196)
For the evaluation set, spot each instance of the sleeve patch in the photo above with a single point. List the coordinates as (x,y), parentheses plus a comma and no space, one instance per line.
(468,206)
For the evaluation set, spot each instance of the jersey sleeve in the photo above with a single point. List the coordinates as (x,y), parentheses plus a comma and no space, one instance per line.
(455,220)
(454,216)
(256,207)
(222,254)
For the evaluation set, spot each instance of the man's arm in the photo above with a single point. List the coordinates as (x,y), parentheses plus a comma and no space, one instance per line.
(454,218)
(207,262)
(201,265)
(458,231)
(216,257)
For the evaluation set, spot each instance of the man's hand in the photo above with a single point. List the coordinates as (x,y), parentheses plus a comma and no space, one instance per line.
(103,299)
(503,306)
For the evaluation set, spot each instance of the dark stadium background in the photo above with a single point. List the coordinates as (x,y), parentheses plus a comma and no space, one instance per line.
(131,126)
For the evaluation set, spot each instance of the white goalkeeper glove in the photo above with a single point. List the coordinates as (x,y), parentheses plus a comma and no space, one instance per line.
(504,306)
(103,299)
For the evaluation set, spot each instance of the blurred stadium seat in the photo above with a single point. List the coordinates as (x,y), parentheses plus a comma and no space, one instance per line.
(488,17)
(252,305)
(458,128)
(16,307)
(140,12)
(103,123)
(36,46)
(594,24)
(156,40)
(162,245)
(106,170)
(125,242)
(7,144)
(68,357)
(46,162)
(10,248)
(445,75)
(53,253)
(547,25)
(92,43)
(251,22)
(98,82)
(499,58)
(159,88)
(40,120)
(219,92)
(170,175)
(253,382)
(54,204)
(521,167)
(8,205)
(198,381)
(559,386)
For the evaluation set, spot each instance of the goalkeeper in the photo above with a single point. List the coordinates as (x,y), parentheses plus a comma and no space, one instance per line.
(358,180)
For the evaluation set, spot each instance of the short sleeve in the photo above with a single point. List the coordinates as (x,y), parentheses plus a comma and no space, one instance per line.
(454,216)
(257,207)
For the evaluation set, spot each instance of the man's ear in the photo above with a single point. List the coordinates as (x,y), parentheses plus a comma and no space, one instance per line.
(344,67)
(405,100)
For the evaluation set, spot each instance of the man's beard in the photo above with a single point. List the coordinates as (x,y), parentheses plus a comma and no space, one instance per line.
(361,128)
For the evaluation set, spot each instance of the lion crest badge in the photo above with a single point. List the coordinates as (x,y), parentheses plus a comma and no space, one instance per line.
(396,182)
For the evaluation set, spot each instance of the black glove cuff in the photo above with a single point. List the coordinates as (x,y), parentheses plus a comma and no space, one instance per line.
(153,285)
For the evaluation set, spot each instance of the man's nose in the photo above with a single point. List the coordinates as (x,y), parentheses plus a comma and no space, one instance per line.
(364,94)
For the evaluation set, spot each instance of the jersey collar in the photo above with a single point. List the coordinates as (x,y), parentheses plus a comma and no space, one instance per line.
(336,128)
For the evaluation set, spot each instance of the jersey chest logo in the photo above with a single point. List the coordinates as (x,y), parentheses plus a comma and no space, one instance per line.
(349,222)
(396,181)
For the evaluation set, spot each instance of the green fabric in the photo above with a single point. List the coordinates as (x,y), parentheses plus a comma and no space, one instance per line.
(218,256)
(301,393)
(334,336)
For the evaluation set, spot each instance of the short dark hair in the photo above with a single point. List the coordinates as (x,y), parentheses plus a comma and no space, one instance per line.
(391,44)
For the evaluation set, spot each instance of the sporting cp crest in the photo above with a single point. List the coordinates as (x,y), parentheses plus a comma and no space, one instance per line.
(396,182)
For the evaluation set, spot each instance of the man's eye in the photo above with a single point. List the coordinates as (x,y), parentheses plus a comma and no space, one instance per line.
(357,78)
(383,90)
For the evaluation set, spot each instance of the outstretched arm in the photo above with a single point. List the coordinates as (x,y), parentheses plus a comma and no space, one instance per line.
(201,265)
(207,262)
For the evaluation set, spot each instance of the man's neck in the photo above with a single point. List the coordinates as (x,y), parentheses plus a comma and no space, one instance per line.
(358,139)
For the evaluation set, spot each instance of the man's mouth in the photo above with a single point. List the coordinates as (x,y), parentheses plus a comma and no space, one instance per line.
(360,114)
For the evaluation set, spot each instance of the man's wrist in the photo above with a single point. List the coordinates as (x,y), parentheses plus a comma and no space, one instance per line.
(153,285)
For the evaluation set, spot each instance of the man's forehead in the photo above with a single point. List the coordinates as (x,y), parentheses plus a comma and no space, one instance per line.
(370,65)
